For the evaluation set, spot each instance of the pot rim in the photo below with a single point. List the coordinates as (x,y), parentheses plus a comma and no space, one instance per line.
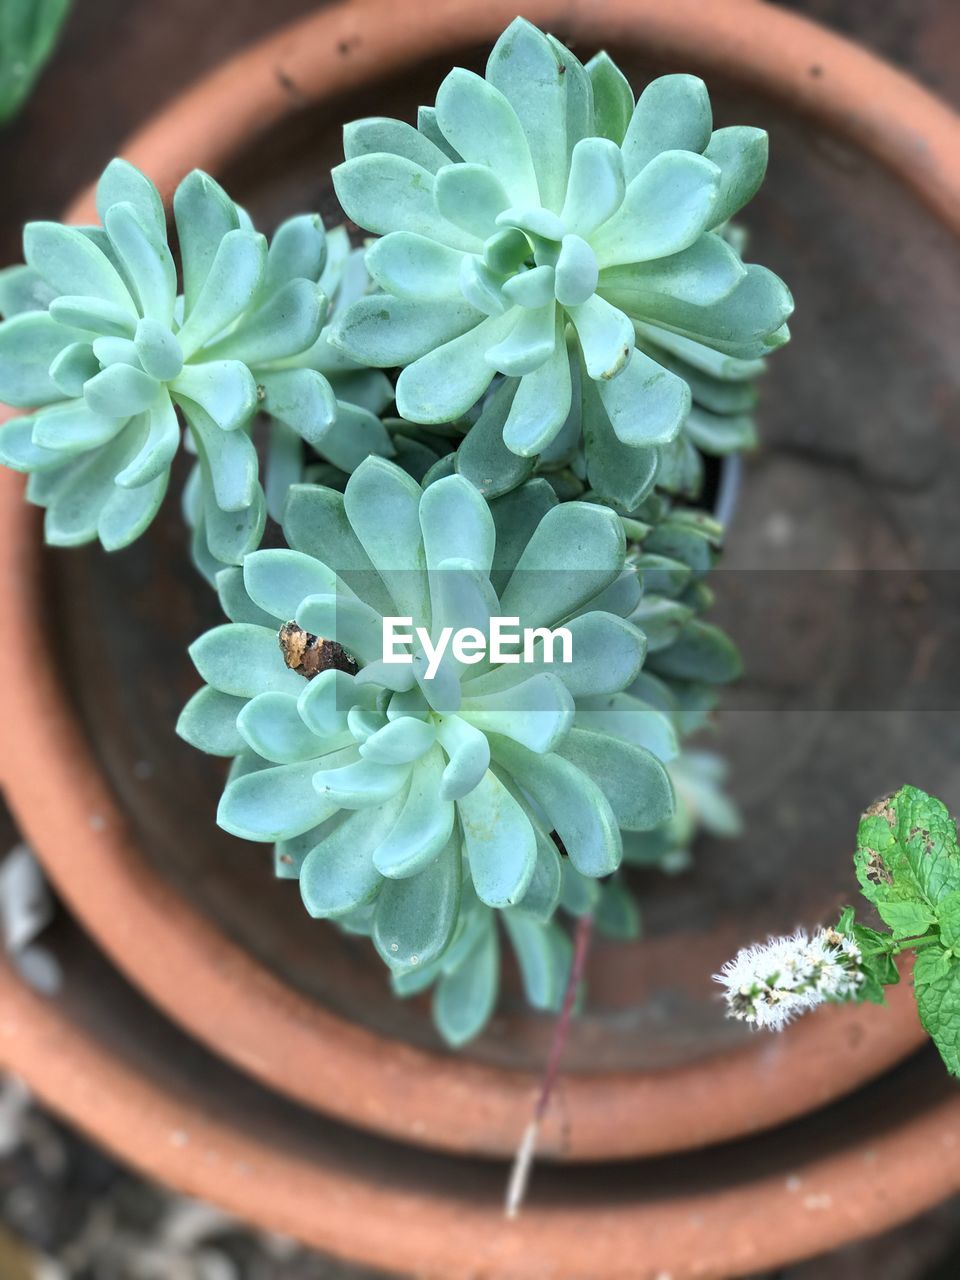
(178,956)
(127,1077)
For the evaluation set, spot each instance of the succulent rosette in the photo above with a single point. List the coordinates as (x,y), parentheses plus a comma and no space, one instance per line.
(397,796)
(540,225)
(103,349)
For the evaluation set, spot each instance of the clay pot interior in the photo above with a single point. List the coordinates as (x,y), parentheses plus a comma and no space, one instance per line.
(856,475)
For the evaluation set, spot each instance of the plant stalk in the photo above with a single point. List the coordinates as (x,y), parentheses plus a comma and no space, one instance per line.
(526,1151)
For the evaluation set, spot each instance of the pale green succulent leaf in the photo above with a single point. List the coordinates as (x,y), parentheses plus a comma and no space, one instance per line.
(351,623)
(471,196)
(123,183)
(740,153)
(354,435)
(230,456)
(416,917)
(204,215)
(22,288)
(541,405)
(384,193)
(160,444)
(543,954)
(536,712)
(271,726)
(700,652)
(209,722)
(447,382)
(379,134)
(612,98)
(120,391)
(482,126)
(465,997)
(531,341)
(606,337)
(72,427)
(276,803)
(424,825)
(456,524)
(427,125)
(552,97)
(20,452)
(230,285)
(158,350)
(739,324)
(646,404)
(288,323)
(302,399)
(243,660)
(93,316)
(127,513)
(703,274)
(413,266)
(147,261)
(235,602)
(666,207)
(597,185)
(338,875)
(385,331)
(672,114)
(29,343)
(298,251)
(72,264)
(468,757)
(499,841)
(634,781)
(277,581)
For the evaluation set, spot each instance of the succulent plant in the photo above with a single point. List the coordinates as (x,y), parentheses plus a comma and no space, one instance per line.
(541,225)
(98,343)
(394,796)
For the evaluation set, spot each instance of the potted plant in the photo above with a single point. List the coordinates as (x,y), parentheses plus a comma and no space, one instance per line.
(517,1089)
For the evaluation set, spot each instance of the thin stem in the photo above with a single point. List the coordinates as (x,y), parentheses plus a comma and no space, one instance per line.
(917,944)
(526,1151)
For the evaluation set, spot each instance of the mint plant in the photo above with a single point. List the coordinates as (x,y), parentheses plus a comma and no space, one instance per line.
(907,861)
(499,407)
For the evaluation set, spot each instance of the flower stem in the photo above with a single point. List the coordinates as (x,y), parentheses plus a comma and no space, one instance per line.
(526,1151)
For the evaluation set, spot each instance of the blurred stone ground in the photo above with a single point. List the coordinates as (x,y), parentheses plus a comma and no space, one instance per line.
(68,1212)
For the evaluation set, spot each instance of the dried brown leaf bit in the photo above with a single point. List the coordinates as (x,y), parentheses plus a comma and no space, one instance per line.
(309,654)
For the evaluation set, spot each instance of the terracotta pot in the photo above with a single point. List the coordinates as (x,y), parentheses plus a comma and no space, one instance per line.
(121,814)
(105,1060)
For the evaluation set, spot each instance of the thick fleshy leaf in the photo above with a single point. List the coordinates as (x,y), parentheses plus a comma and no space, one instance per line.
(230,457)
(123,183)
(672,114)
(721,434)
(230,286)
(401,741)
(209,722)
(483,457)
(235,602)
(271,726)
(353,624)
(301,398)
(702,274)
(204,214)
(126,513)
(468,757)
(448,381)
(701,652)
(596,187)
(574,805)
(479,122)
(161,442)
(93,315)
(72,264)
(666,207)
(77,495)
(634,781)
(606,337)
(645,403)
(544,588)
(231,534)
(338,875)
(384,331)
(72,367)
(121,391)
(543,953)
(298,251)
(226,390)
(627,717)
(360,784)
(278,580)
(243,660)
(378,133)
(424,825)
(415,917)
(411,266)
(612,98)
(158,350)
(73,427)
(456,524)
(540,406)
(20,452)
(288,323)
(716,364)
(621,474)
(382,504)
(552,97)
(326,700)
(384,193)
(531,341)
(147,261)
(543,891)
(315,522)
(740,153)
(465,997)
(427,125)
(536,712)
(500,843)
(531,289)
(273,804)
(354,435)
(739,324)
(471,196)
(23,289)
(576,273)
(29,343)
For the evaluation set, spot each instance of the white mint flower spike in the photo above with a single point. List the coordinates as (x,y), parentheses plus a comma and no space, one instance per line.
(770,984)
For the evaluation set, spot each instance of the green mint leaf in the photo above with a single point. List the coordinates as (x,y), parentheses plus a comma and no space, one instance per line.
(937,983)
(907,850)
(906,919)
(948,917)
